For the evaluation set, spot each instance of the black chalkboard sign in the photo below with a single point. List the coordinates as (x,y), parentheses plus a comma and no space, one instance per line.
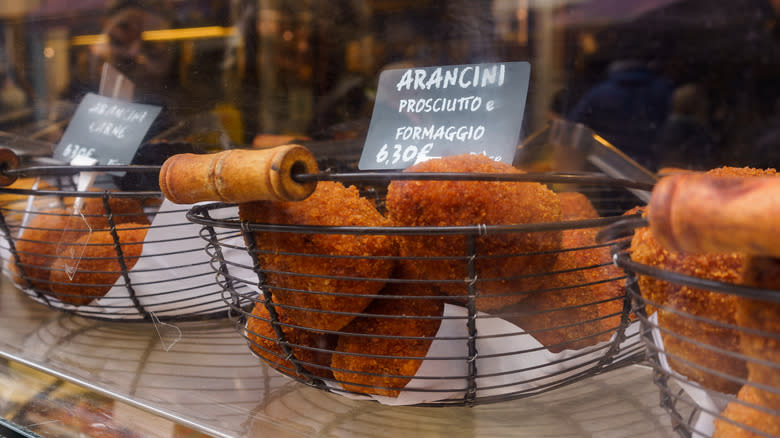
(109,130)
(424,113)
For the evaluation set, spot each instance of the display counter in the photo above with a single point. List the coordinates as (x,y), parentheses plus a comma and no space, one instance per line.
(180,380)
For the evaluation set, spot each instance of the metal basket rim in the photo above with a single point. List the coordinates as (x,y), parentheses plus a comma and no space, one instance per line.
(199,214)
(624,260)
(383,177)
(65,170)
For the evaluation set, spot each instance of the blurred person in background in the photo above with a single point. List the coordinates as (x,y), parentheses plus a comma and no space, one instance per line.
(152,66)
(765,151)
(12,97)
(686,140)
(628,108)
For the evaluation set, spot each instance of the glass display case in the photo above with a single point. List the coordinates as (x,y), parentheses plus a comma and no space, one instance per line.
(635,89)
(243,72)
(61,374)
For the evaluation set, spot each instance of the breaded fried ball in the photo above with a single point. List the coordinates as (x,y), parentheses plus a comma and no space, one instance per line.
(358,371)
(559,316)
(309,347)
(342,260)
(28,183)
(123,210)
(766,422)
(759,341)
(37,245)
(741,171)
(717,308)
(714,306)
(761,319)
(606,280)
(464,203)
(98,267)
(51,229)
(14,206)
(563,309)
(576,206)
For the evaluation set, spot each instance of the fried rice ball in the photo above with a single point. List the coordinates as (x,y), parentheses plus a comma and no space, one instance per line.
(576,206)
(558,314)
(358,371)
(606,280)
(98,267)
(716,307)
(503,259)
(759,341)
(573,306)
(741,171)
(766,422)
(14,206)
(312,349)
(761,319)
(38,243)
(123,210)
(51,228)
(342,260)
(689,357)
(28,183)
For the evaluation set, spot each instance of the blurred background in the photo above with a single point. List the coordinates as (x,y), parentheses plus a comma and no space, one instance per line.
(684,83)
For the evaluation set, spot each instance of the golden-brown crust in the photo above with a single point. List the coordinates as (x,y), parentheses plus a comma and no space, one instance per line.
(311,348)
(745,415)
(98,267)
(606,280)
(717,307)
(576,206)
(557,314)
(358,371)
(7,199)
(53,229)
(37,246)
(685,336)
(741,171)
(761,319)
(579,304)
(123,210)
(322,265)
(452,203)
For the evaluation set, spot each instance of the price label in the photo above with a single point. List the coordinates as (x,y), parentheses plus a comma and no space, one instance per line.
(400,154)
(109,130)
(430,112)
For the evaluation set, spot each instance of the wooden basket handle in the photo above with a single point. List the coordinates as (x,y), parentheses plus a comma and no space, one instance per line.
(697,213)
(8,161)
(239,175)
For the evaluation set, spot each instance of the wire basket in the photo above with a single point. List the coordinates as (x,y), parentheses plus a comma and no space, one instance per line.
(715,339)
(402,336)
(127,256)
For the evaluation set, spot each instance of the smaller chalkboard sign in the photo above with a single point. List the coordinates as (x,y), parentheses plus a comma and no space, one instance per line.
(109,130)
(424,113)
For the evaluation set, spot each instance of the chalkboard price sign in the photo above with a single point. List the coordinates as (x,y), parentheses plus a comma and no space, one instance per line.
(109,130)
(430,112)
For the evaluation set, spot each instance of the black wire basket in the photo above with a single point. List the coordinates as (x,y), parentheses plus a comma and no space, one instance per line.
(399,334)
(715,339)
(126,256)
